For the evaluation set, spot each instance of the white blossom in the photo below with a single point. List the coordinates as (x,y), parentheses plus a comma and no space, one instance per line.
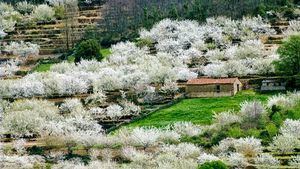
(182,150)
(265,161)
(43,12)
(203,158)
(295,161)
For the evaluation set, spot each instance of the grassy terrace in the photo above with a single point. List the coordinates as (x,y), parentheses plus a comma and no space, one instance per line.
(198,110)
(46,66)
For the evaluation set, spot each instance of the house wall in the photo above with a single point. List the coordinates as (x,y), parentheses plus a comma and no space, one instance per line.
(235,87)
(209,90)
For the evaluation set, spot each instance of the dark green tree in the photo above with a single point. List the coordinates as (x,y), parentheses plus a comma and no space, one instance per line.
(213,165)
(289,53)
(88,50)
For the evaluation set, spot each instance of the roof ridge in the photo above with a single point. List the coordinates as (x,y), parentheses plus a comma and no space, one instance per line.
(207,80)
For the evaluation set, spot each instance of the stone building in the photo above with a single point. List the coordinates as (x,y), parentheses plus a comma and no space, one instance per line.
(273,85)
(210,87)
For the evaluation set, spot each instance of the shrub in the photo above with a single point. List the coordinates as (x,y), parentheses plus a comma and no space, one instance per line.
(186,128)
(23,49)
(225,147)
(272,129)
(144,42)
(235,132)
(144,137)
(252,111)
(294,28)
(114,112)
(226,118)
(88,50)
(204,158)
(182,150)
(266,160)
(291,127)
(19,146)
(277,119)
(237,160)
(73,106)
(253,133)
(295,161)
(7,25)
(285,143)
(248,146)
(24,7)
(279,100)
(289,56)
(43,13)
(213,165)
(59,12)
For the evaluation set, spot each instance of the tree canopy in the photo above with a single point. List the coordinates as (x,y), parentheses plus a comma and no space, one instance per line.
(289,53)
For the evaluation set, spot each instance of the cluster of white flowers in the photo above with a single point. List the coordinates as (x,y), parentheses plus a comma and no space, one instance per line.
(203,158)
(186,128)
(8,17)
(247,58)
(15,161)
(129,67)
(237,160)
(183,150)
(215,40)
(264,161)
(293,29)
(249,146)
(24,7)
(24,12)
(73,106)
(43,13)
(9,68)
(252,110)
(285,101)
(23,49)
(288,139)
(16,121)
(226,118)
(6,25)
(19,146)
(295,162)
(115,111)
(291,127)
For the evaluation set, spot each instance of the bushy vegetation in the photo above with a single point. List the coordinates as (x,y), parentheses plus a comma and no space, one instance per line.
(88,50)
(289,53)
(213,165)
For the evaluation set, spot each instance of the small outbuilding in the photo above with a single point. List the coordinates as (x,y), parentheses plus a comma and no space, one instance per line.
(210,87)
(273,85)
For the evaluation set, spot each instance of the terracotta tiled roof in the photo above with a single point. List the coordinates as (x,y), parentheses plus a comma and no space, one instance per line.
(203,81)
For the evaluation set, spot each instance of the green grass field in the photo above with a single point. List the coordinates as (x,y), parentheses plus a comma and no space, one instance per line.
(198,110)
(43,67)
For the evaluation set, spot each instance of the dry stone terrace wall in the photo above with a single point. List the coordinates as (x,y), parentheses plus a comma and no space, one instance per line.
(51,36)
(274,41)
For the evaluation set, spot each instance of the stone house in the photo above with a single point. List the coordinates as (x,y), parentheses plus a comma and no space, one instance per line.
(210,87)
(273,85)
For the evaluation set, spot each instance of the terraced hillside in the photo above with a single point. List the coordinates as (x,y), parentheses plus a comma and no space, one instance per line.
(51,36)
